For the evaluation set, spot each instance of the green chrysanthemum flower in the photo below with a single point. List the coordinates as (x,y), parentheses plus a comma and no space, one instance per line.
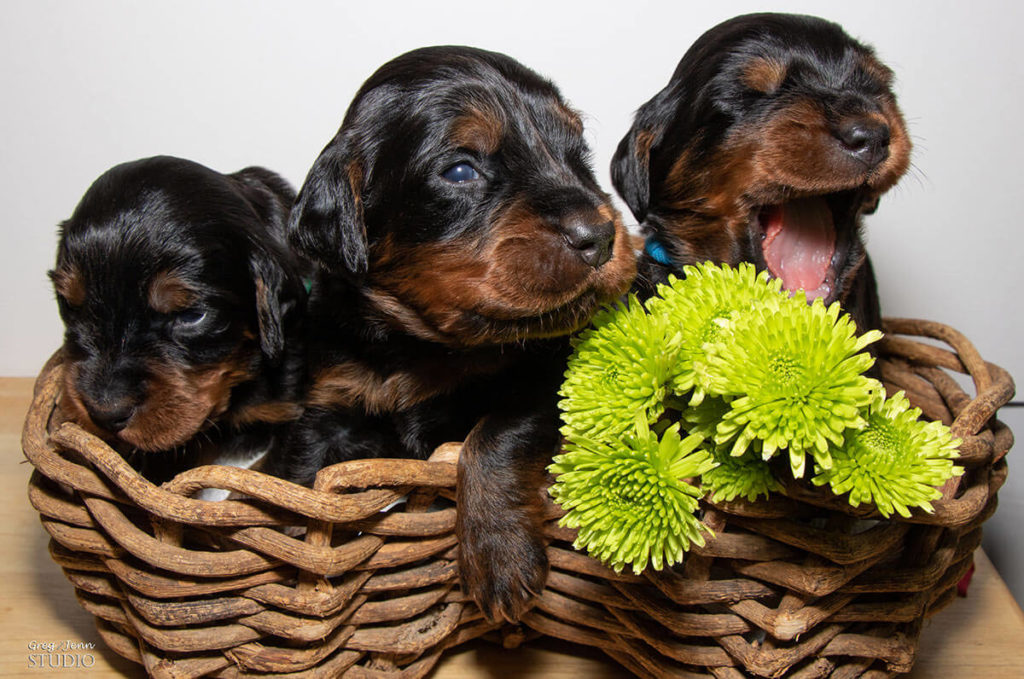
(629,500)
(896,462)
(747,476)
(704,305)
(618,370)
(702,418)
(796,372)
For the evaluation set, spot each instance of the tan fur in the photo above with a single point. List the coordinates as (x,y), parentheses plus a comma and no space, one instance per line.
(479,129)
(644,141)
(571,118)
(793,154)
(522,278)
(70,284)
(168,293)
(679,187)
(355,183)
(274,412)
(355,385)
(763,74)
(877,70)
(71,403)
(178,403)
(795,151)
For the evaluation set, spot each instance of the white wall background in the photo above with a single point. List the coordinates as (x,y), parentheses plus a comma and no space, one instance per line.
(86,85)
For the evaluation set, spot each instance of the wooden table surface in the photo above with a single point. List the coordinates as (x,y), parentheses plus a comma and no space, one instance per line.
(981,636)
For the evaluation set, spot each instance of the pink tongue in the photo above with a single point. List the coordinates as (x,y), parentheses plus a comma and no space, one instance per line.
(799,243)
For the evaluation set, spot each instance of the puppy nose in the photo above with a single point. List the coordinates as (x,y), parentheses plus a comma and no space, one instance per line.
(591,241)
(865,138)
(111,416)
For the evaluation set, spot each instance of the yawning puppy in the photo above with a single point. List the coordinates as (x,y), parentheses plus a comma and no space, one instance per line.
(182,307)
(774,135)
(461,236)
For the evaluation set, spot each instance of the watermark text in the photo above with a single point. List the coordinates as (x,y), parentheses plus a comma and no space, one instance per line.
(61,655)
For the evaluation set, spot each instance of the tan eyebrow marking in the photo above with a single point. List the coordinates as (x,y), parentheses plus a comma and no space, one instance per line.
(877,70)
(69,284)
(764,74)
(168,293)
(479,129)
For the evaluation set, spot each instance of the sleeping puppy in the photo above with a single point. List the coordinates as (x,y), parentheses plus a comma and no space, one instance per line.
(182,307)
(460,235)
(774,135)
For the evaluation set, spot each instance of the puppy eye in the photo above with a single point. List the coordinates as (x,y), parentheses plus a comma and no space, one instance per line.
(460,172)
(190,317)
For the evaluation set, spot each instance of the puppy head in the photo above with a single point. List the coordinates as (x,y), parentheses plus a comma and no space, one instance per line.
(774,134)
(459,197)
(174,287)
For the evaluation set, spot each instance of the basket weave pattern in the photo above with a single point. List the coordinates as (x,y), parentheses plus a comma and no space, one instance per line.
(340,580)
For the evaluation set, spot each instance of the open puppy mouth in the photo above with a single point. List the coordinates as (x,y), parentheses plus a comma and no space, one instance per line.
(806,241)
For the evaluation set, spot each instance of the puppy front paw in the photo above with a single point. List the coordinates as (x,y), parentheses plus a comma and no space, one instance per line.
(502,567)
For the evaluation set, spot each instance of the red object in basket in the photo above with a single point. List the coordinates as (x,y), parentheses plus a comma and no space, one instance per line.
(965,582)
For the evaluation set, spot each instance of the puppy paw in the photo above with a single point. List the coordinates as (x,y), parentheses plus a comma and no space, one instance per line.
(501,568)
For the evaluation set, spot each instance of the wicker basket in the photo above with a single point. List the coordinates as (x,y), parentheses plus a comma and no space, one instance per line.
(321,582)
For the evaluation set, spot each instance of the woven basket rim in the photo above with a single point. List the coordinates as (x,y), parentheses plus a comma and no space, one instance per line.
(325,502)
(126,574)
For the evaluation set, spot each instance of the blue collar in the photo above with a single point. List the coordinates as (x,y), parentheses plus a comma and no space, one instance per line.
(656,250)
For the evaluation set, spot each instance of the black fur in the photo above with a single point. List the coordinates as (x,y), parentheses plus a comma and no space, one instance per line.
(168,270)
(761,110)
(441,306)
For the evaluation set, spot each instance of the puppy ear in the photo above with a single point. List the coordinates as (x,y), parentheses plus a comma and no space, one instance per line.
(631,168)
(275,272)
(326,224)
(631,164)
(279,291)
(269,194)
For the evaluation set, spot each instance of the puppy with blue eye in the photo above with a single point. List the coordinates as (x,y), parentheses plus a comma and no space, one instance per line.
(182,307)
(460,236)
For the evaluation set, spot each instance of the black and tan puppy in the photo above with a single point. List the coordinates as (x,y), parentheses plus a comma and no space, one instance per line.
(460,235)
(182,307)
(774,135)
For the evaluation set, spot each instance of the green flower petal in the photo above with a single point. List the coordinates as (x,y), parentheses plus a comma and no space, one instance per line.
(896,461)
(746,476)
(703,307)
(618,370)
(629,499)
(703,418)
(793,372)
